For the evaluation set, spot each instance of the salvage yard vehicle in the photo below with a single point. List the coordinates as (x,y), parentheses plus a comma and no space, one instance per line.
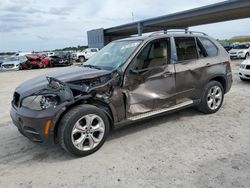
(13,63)
(241,51)
(128,80)
(2,59)
(35,61)
(60,59)
(84,55)
(245,70)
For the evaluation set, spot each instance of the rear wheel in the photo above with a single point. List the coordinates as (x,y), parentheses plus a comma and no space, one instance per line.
(83,130)
(212,98)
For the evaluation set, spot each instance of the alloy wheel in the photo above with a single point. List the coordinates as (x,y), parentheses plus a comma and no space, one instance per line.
(88,132)
(214,97)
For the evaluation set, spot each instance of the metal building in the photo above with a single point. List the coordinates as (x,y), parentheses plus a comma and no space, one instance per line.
(224,11)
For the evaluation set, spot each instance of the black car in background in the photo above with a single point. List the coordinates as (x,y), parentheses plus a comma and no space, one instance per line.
(60,59)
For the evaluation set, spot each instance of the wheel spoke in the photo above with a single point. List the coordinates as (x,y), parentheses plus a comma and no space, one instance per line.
(91,142)
(98,128)
(79,142)
(96,140)
(78,128)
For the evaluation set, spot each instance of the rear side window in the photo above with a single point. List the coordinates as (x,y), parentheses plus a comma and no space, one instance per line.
(186,48)
(210,48)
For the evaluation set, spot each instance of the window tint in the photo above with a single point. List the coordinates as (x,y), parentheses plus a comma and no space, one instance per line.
(201,51)
(210,48)
(93,50)
(186,48)
(153,55)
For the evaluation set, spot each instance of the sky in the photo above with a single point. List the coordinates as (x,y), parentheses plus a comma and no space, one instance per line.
(27,25)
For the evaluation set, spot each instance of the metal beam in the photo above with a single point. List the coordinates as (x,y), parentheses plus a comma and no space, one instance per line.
(224,11)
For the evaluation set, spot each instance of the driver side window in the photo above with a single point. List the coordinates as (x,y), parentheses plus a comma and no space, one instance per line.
(155,54)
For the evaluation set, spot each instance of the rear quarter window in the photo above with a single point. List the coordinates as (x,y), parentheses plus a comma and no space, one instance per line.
(209,46)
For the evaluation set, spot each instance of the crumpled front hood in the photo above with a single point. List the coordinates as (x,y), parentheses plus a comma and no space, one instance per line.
(68,74)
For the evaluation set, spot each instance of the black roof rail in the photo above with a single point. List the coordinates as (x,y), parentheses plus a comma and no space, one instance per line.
(185,31)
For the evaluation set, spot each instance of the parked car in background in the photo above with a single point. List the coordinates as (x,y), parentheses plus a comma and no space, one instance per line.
(50,54)
(128,80)
(241,51)
(13,63)
(22,53)
(228,47)
(245,70)
(84,55)
(60,59)
(2,59)
(35,61)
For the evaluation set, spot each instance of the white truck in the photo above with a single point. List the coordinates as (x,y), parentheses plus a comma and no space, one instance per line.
(84,55)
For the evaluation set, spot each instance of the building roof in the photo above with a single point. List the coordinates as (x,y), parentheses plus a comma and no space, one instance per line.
(224,11)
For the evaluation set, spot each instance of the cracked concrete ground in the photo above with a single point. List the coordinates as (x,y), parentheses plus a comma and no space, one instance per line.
(184,149)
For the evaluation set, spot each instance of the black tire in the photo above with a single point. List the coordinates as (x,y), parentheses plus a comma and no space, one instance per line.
(243,79)
(203,106)
(68,122)
(246,56)
(82,59)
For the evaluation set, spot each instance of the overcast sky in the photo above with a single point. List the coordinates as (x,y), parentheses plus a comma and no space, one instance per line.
(43,25)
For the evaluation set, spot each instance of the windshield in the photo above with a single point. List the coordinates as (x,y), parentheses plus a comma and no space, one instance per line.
(241,47)
(113,55)
(12,58)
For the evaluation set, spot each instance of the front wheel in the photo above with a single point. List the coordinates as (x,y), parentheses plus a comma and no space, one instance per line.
(82,59)
(212,98)
(83,130)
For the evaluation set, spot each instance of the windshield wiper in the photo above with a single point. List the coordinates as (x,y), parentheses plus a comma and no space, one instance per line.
(92,66)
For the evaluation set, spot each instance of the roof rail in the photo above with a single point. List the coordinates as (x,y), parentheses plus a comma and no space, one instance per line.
(186,31)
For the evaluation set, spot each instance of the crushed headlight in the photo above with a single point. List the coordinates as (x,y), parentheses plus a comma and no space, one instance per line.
(40,102)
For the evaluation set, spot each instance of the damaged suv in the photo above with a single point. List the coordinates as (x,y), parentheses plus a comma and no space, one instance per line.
(128,80)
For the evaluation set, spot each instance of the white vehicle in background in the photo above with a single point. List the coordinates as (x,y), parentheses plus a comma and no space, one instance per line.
(84,55)
(245,70)
(49,54)
(241,51)
(22,53)
(13,63)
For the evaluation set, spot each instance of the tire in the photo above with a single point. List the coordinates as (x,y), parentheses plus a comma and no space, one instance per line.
(246,56)
(82,59)
(243,79)
(211,93)
(74,128)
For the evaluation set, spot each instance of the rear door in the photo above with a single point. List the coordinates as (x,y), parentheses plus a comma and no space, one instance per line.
(195,57)
(187,67)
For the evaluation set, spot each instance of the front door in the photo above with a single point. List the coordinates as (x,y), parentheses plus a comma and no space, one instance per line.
(149,82)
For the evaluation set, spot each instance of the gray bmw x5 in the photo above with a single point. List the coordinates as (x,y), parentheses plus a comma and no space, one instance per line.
(127,81)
